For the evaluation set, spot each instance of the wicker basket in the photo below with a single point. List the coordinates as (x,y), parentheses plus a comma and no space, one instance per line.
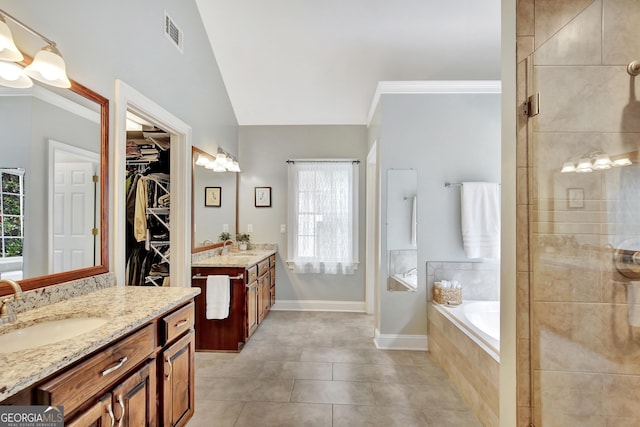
(446,296)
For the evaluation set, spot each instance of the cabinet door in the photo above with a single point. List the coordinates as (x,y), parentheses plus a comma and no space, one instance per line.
(98,415)
(134,400)
(264,296)
(178,382)
(252,308)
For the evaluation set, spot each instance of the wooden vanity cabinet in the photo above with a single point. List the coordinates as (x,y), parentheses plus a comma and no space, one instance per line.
(251,301)
(143,379)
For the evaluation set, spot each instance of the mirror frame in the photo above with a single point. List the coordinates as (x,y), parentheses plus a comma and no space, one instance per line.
(66,276)
(194,249)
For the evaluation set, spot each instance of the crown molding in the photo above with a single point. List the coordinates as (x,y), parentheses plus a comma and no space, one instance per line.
(431,87)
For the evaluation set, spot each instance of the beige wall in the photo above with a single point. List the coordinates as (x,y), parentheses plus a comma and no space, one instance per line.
(577,345)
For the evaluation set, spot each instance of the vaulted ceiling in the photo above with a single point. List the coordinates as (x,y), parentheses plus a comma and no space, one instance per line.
(302,62)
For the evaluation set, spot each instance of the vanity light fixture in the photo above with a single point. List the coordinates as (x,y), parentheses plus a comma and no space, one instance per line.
(47,66)
(595,160)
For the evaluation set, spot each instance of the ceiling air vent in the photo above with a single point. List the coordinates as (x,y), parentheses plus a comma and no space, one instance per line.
(172,31)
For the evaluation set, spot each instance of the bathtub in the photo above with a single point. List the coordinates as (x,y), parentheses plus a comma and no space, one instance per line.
(461,343)
(480,320)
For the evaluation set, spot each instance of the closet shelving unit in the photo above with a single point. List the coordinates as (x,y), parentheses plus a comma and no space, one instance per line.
(157,242)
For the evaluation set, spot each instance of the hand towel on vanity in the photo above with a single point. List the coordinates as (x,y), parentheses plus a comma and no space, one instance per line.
(480,210)
(218,297)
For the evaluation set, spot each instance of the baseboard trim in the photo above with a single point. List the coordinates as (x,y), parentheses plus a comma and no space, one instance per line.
(318,305)
(400,342)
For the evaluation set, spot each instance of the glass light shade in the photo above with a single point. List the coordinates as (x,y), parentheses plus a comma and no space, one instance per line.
(202,160)
(602,161)
(584,165)
(621,162)
(12,75)
(8,49)
(48,67)
(235,167)
(568,167)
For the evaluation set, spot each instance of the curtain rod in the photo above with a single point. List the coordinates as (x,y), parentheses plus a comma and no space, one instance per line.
(290,161)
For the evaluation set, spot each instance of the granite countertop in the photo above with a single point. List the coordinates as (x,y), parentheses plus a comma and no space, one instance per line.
(125,307)
(242,259)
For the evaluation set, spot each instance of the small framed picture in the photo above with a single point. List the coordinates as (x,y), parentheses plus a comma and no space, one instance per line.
(263,197)
(575,198)
(213,197)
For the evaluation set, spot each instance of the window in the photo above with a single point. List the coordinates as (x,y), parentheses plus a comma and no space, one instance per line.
(11,213)
(323,216)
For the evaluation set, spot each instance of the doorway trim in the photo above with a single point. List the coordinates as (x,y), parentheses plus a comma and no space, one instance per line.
(129,99)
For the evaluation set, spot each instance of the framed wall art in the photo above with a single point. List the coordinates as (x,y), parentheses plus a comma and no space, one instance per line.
(263,197)
(213,197)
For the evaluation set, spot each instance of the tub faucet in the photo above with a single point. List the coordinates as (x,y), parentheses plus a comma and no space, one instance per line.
(6,312)
(410,272)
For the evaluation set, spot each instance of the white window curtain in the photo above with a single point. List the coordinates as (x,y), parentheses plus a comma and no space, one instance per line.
(323,216)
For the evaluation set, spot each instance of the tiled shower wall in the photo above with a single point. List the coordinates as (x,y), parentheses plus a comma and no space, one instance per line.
(578,354)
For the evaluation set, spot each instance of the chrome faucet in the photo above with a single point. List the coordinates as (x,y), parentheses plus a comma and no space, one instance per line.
(410,272)
(6,312)
(225,250)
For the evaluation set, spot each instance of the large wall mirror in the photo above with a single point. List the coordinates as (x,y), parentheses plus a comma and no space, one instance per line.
(54,185)
(402,229)
(214,198)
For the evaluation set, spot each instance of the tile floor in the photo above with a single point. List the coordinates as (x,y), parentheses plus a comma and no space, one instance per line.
(322,369)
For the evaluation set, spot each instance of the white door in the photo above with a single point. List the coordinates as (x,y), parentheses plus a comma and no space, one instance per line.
(73,216)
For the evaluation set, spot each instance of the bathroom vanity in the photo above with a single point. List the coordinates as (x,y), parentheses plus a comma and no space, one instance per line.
(135,368)
(252,277)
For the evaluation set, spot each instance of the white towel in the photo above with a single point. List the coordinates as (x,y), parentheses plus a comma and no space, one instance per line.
(218,297)
(480,210)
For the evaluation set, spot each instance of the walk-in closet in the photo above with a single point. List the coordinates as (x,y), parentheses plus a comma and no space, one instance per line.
(148,207)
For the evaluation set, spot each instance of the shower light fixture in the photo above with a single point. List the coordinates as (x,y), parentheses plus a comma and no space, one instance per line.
(47,65)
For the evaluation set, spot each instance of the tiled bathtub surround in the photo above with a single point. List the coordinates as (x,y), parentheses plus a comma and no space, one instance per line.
(473,371)
(51,294)
(581,353)
(479,280)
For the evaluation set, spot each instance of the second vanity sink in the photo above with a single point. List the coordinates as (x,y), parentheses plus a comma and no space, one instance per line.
(48,332)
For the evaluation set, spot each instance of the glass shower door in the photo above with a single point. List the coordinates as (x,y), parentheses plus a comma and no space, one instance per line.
(584,215)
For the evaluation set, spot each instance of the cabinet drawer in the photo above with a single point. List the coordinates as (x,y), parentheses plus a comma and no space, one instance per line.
(178,322)
(272,261)
(252,274)
(263,267)
(85,380)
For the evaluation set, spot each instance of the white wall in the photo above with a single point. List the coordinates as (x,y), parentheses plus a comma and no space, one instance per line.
(121,39)
(263,151)
(445,137)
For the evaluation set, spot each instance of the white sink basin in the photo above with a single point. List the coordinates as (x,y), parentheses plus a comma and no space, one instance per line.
(48,332)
